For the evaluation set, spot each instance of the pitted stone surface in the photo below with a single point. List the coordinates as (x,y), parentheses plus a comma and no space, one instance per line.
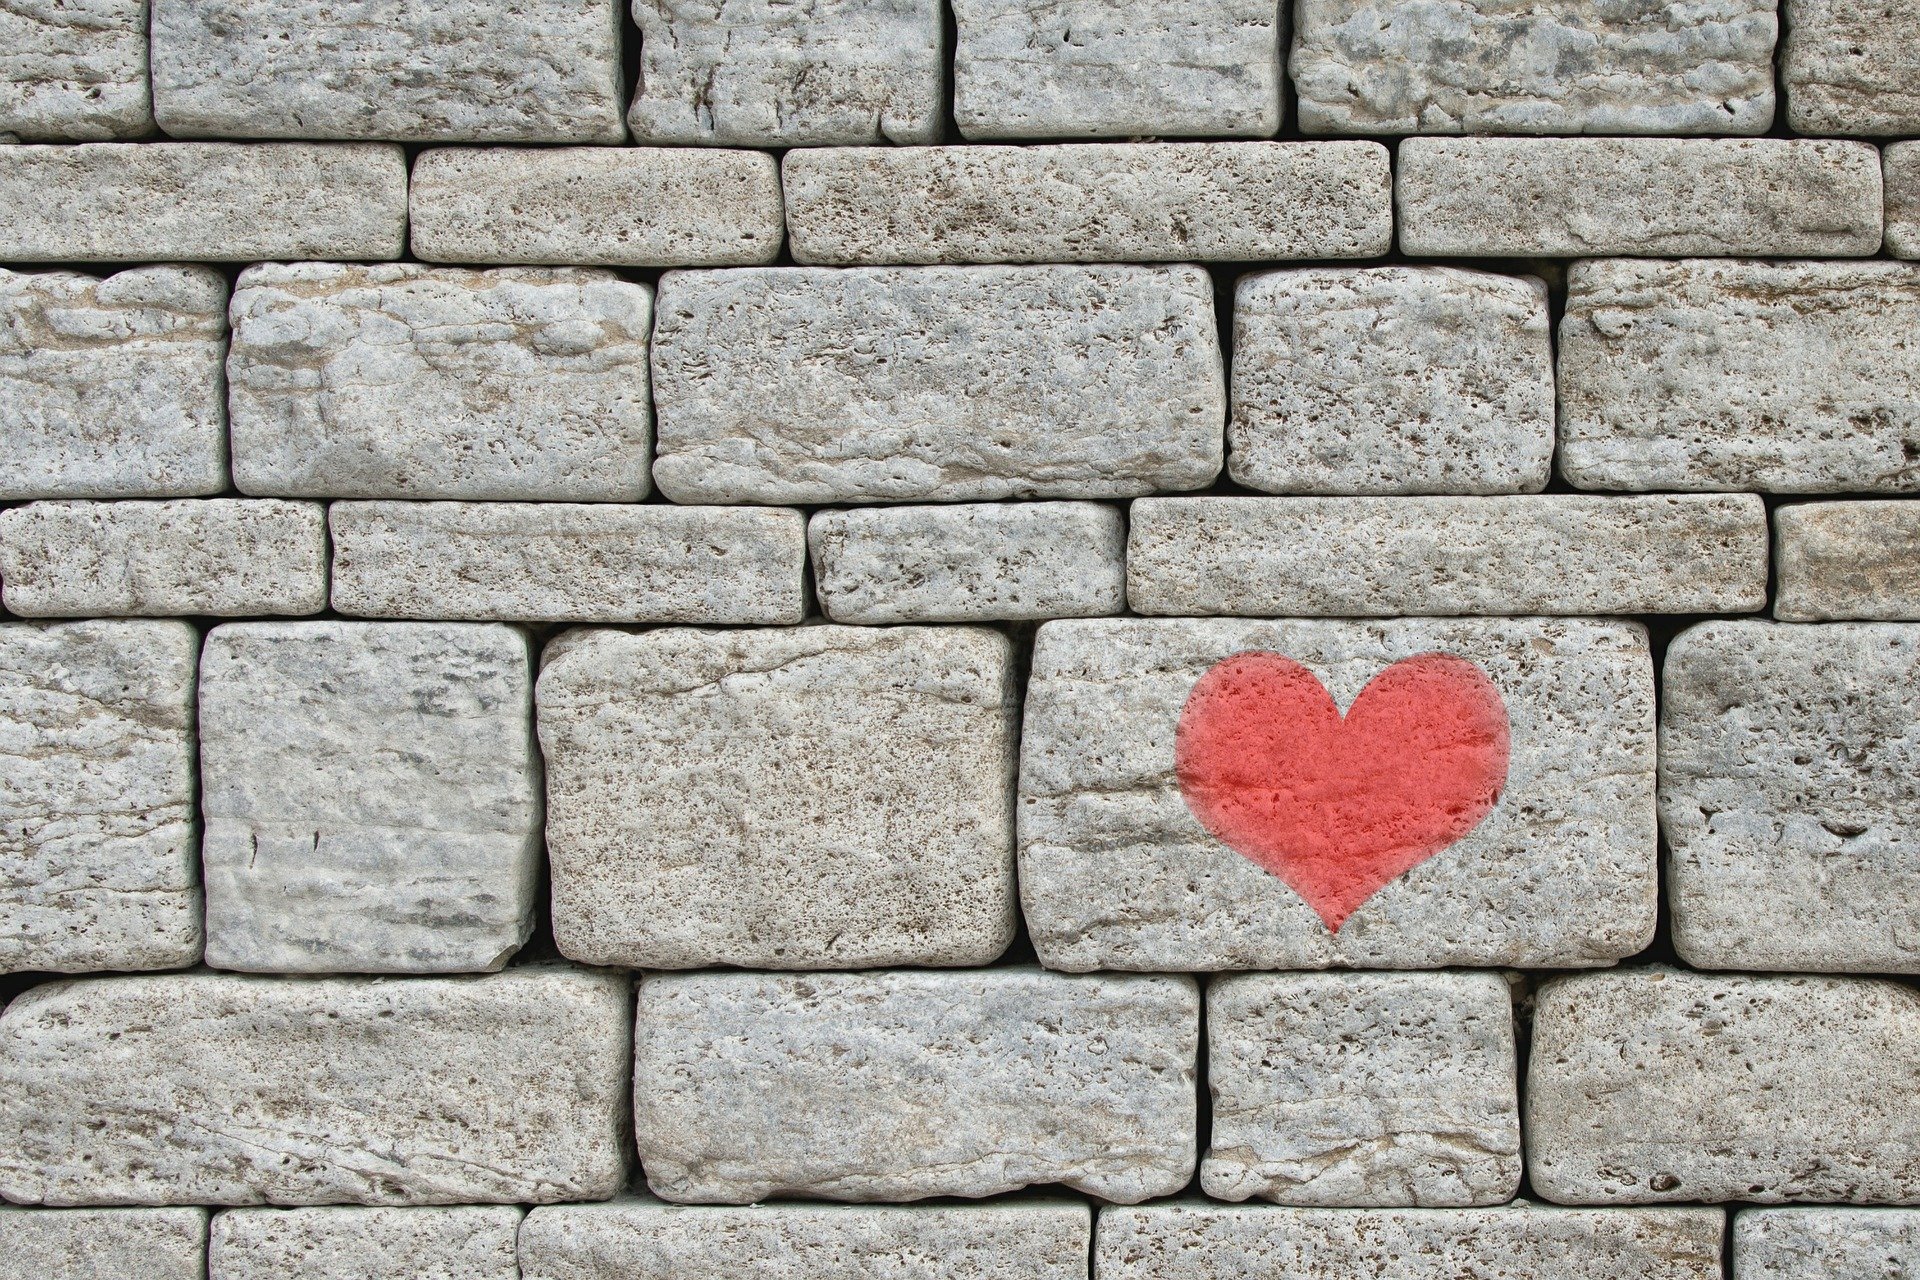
(1840,560)
(371,794)
(104,1244)
(1826,1244)
(74,71)
(1851,67)
(471,1242)
(1090,202)
(402,381)
(1391,380)
(901,1085)
(1902,164)
(819,798)
(1116,873)
(220,1089)
(958,384)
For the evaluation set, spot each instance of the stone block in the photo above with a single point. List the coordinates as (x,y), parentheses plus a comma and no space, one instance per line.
(1839,560)
(104,1244)
(1902,173)
(1825,1244)
(470,1242)
(74,72)
(1852,68)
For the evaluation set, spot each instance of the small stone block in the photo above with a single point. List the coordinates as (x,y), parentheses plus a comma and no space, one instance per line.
(103,1244)
(1902,161)
(470,1242)
(1826,1244)
(74,72)
(1838,560)
(1852,68)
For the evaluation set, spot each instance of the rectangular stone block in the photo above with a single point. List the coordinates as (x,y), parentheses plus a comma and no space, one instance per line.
(1382,557)
(212,201)
(596,206)
(950,384)
(902,1085)
(1825,1244)
(1852,68)
(1664,197)
(74,72)
(1839,560)
(221,556)
(371,795)
(1391,380)
(389,70)
(1117,872)
(1902,174)
(1794,377)
(403,381)
(1091,202)
(104,1244)
(471,1242)
(820,798)
(985,562)
(221,1089)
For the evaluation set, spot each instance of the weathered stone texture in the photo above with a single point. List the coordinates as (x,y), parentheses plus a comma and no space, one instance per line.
(1391,380)
(1116,872)
(402,381)
(950,383)
(821,798)
(1090,202)
(898,1086)
(1840,560)
(1826,1244)
(74,70)
(104,1244)
(217,1089)
(1664,197)
(1853,67)
(371,794)
(471,1242)
(1902,166)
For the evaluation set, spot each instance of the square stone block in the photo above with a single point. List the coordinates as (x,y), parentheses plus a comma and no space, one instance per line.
(1852,68)
(74,71)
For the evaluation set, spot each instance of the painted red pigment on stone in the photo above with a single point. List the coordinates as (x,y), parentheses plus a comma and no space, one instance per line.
(1340,807)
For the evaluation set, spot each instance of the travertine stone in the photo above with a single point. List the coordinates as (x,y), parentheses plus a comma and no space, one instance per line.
(1646,1085)
(1826,1244)
(1840,560)
(471,1242)
(1362,1089)
(400,70)
(98,868)
(74,70)
(104,1244)
(111,388)
(901,1085)
(403,381)
(1391,380)
(214,201)
(1116,873)
(1851,67)
(950,383)
(1117,68)
(817,798)
(222,556)
(220,1089)
(768,73)
(991,562)
(1384,557)
(1090,202)
(597,206)
(1902,165)
(371,794)
(1661,197)
(1795,377)
(569,562)
(1563,66)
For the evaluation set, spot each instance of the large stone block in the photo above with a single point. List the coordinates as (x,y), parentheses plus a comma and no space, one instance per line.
(74,72)
(104,1244)
(1839,560)
(1825,1244)
(901,1085)
(470,1242)
(1852,68)
(820,798)
(1902,172)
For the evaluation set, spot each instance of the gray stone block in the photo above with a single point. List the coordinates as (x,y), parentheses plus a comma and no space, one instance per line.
(1840,560)
(1852,68)
(1826,1244)
(74,72)
(470,1242)
(104,1244)
(1902,166)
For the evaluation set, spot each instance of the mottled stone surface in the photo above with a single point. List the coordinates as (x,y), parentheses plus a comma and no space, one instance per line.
(1391,380)
(1090,202)
(1826,1244)
(1116,872)
(898,1086)
(220,1089)
(821,798)
(1851,67)
(74,70)
(104,1244)
(371,794)
(471,1242)
(1662,197)
(402,381)
(1839,560)
(1902,173)
(807,385)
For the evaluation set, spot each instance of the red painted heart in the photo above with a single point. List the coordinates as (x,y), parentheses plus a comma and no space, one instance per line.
(1340,807)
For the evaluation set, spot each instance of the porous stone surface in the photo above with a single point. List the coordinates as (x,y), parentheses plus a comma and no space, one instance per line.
(958,384)
(1117,873)
(1117,68)
(1565,66)
(1852,68)
(211,201)
(74,71)
(221,556)
(985,562)
(1664,197)
(1794,377)
(898,1086)
(1362,1089)
(821,798)
(371,796)
(1391,380)
(1839,560)
(1382,557)
(111,388)
(767,73)
(401,381)
(1647,1085)
(470,1242)
(98,867)
(398,70)
(1902,174)
(104,1244)
(222,1089)
(1090,202)
(568,562)
(1826,1244)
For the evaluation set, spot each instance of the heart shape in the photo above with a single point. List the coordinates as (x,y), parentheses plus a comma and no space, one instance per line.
(1339,807)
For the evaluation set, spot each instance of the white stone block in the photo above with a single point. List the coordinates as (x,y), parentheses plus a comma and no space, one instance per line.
(1852,68)
(1840,560)
(1825,1244)
(1902,172)
(74,71)
(470,1242)
(104,1244)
